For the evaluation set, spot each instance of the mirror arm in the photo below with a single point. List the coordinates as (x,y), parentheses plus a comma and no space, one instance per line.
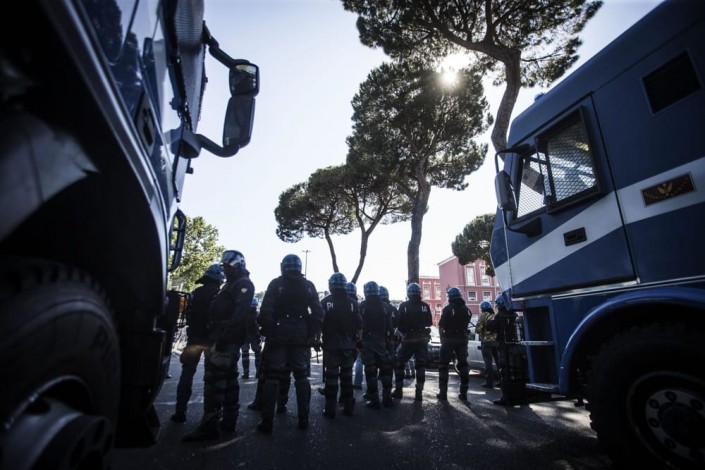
(215,149)
(217,52)
(518,149)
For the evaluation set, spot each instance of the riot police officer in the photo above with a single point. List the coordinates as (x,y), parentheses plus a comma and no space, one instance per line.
(488,343)
(291,317)
(340,333)
(197,336)
(377,337)
(510,354)
(453,328)
(414,326)
(227,327)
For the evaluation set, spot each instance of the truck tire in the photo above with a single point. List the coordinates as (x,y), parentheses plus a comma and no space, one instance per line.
(59,368)
(646,397)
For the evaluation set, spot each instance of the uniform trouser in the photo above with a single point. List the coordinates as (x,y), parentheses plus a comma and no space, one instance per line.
(357,378)
(257,348)
(190,357)
(459,348)
(378,363)
(221,390)
(283,397)
(338,364)
(512,369)
(418,348)
(489,354)
(279,358)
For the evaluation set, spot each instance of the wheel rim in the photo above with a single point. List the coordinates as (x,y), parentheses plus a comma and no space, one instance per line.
(51,433)
(667,409)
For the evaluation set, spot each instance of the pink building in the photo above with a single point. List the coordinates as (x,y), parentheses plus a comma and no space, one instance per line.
(432,295)
(471,279)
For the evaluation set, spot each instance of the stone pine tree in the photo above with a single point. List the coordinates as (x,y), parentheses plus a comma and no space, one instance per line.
(375,199)
(316,208)
(474,242)
(201,249)
(522,43)
(420,133)
(336,201)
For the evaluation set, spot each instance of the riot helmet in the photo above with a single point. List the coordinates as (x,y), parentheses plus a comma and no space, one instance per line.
(371,288)
(384,293)
(352,290)
(291,264)
(454,293)
(337,281)
(413,290)
(485,306)
(234,259)
(214,272)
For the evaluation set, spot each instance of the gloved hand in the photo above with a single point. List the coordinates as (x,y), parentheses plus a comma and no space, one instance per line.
(358,345)
(317,346)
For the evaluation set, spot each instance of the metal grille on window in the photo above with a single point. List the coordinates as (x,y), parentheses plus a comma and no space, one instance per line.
(572,169)
(534,182)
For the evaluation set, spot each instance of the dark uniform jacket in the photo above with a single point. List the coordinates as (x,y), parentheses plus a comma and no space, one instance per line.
(229,310)
(197,314)
(342,321)
(504,324)
(376,320)
(414,319)
(291,312)
(455,319)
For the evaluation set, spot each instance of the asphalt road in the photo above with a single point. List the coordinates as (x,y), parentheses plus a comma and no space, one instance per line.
(411,435)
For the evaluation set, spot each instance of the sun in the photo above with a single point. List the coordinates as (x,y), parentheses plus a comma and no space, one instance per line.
(449,66)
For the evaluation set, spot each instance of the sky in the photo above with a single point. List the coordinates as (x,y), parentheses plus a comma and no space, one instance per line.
(311,65)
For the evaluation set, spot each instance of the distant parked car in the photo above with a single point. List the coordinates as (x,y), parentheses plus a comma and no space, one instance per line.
(474,354)
(434,348)
(475,360)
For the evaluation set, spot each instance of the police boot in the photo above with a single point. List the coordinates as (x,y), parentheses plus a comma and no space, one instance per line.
(303,401)
(266,426)
(398,392)
(442,395)
(387,401)
(463,395)
(419,394)
(348,406)
(329,409)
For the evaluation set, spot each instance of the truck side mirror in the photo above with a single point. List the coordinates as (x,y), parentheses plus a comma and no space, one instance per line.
(239,115)
(504,192)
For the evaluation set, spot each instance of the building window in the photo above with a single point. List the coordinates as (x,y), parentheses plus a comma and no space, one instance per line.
(484,278)
(486,295)
(438,291)
(472,296)
(470,274)
(426,291)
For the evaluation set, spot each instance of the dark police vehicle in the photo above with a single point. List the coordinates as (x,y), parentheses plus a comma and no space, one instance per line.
(99,107)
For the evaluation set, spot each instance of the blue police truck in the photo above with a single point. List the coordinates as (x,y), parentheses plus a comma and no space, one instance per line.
(599,242)
(99,107)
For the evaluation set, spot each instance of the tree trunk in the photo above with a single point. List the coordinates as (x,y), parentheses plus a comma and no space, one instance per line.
(364,237)
(512,69)
(331,248)
(419,211)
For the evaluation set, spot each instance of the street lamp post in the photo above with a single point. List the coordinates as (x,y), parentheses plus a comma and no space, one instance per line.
(306,262)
